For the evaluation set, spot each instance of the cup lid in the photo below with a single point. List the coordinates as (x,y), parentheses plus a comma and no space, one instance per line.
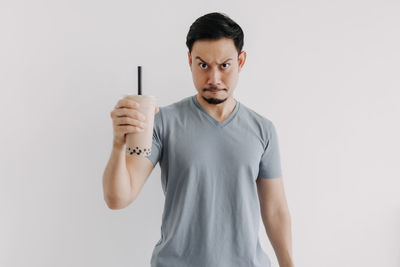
(152,96)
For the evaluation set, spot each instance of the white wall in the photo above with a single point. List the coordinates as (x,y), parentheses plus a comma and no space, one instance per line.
(325,72)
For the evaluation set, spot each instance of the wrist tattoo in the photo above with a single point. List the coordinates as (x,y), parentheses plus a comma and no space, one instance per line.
(138,151)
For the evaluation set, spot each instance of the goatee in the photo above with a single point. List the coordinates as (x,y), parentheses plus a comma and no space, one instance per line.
(214,101)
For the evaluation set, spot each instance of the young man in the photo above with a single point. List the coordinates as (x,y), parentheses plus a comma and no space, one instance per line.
(220,164)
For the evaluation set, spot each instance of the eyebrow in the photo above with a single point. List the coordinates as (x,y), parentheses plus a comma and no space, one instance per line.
(197,57)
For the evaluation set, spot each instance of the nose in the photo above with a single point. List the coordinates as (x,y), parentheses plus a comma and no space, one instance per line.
(214,78)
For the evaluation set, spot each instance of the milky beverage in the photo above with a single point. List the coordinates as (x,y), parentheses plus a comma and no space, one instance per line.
(139,143)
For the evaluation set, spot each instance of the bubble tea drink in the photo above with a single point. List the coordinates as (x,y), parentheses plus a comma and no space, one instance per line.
(139,143)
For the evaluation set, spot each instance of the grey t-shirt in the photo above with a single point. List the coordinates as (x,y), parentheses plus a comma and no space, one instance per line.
(208,174)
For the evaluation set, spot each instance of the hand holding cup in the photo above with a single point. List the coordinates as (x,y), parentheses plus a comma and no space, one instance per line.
(129,118)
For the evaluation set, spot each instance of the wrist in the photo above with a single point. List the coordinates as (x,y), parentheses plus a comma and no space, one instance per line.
(118,146)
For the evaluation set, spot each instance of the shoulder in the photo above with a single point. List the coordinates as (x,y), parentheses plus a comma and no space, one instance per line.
(173,108)
(255,117)
(262,125)
(177,108)
(172,111)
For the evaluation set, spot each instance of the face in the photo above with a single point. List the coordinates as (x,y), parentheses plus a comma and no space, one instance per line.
(215,64)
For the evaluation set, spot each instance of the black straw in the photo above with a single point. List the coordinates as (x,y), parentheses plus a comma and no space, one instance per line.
(139,80)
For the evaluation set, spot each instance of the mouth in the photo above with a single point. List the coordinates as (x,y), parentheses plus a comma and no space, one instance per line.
(215,90)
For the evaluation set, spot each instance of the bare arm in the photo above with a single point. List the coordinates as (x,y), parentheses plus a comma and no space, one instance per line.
(124,177)
(125,174)
(276,218)
(116,180)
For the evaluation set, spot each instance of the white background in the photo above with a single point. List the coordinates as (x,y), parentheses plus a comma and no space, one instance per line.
(325,72)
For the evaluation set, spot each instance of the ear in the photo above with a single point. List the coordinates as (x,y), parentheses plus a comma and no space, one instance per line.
(190,59)
(241,59)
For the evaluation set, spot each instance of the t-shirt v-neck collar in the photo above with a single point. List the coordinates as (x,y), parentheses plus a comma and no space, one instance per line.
(211,118)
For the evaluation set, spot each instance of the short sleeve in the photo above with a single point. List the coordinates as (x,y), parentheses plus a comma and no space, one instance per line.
(270,163)
(156,147)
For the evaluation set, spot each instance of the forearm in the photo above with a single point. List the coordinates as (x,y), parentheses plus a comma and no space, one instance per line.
(278,228)
(116,179)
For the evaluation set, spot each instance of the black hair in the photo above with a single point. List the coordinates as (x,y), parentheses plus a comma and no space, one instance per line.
(214,26)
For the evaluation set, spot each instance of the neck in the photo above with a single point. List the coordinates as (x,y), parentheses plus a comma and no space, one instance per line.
(219,111)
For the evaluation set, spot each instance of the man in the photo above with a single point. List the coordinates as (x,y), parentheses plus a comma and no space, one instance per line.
(220,164)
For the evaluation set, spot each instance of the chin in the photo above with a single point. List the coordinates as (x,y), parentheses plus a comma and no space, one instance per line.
(214,100)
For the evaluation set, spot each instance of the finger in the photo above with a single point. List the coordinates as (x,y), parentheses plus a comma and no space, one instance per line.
(127,103)
(129,121)
(129,129)
(130,96)
(126,112)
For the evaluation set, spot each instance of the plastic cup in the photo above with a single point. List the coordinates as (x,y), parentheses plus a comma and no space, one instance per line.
(140,143)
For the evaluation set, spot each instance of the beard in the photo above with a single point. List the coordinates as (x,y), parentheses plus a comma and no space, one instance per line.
(212,100)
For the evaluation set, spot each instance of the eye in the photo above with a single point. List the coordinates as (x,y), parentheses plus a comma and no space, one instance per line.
(225,64)
(202,64)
